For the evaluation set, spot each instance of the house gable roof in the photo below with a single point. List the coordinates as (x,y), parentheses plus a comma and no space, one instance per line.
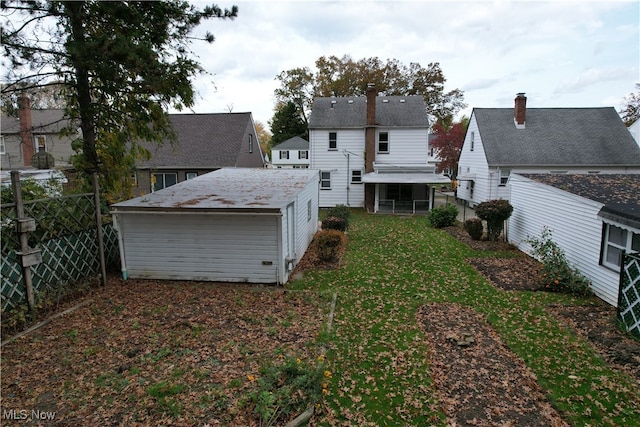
(351,112)
(556,137)
(617,192)
(295,143)
(42,121)
(204,141)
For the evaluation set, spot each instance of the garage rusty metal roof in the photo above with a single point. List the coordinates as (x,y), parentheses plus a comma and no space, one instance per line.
(229,189)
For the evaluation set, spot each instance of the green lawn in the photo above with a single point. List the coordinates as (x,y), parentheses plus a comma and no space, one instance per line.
(378,354)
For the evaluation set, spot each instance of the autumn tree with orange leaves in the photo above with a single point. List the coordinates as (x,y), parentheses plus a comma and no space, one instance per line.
(447,145)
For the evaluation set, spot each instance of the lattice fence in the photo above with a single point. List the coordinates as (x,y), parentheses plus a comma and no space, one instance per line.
(629,294)
(66,235)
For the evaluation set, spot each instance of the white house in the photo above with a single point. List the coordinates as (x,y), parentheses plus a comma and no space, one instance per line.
(292,153)
(635,131)
(373,152)
(593,218)
(501,141)
(231,225)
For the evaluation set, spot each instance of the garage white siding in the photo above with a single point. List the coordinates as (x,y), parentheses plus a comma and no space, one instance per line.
(233,248)
(575,225)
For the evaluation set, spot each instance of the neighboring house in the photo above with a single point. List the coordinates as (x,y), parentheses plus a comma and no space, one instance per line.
(373,151)
(593,218)
(501,141)
(232,225)
(292,153)
(205,142)
(33,131)
(635,131)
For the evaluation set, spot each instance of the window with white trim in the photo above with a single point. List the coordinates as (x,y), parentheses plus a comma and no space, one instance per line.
(41,143)
(616,241)
(383,142)
(284,154)
(163,180)
(504,177)
(356,176)
(333,140)
(325,180)
(473,140)
(191,175)
(304,154)
(3,148)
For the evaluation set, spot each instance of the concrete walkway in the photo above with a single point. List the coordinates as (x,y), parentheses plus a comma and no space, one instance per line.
(464,210)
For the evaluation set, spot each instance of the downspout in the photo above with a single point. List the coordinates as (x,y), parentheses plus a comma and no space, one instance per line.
(348,180)
(123,264)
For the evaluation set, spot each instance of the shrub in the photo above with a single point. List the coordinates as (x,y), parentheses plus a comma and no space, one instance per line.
(340,211)
(328,244)
(287,388)
(334,223)
(474,227)
(495,212)
(557,274)
(443,216)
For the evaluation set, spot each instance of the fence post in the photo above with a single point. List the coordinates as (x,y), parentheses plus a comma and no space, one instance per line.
(24,239)
(96,198)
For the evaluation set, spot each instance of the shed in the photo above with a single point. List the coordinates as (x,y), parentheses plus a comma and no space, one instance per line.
(231,225)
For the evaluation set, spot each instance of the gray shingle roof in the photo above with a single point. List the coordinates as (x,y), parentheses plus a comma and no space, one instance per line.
(617,192)
(351,112)
(557,137)
(206,141)
(43,121)
(295,143)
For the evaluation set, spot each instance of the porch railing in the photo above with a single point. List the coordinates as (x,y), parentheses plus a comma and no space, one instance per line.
(395,206)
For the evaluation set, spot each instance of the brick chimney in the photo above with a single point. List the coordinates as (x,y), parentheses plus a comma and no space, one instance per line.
(26,126)
(520,110)
(370,145)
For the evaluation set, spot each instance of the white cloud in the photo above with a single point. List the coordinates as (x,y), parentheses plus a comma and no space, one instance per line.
(561,53)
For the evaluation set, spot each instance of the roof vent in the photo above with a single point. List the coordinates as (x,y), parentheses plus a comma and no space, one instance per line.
(351,101)
(333,103)
(402,101)
(385,101)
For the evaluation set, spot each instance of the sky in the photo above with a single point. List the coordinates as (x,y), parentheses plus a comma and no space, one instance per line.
(560,53)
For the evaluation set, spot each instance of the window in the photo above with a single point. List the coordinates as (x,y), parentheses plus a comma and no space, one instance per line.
(325,180)
(191,175)
(134,179)
(473,137)
(163,180)
(284,154)
(304,154)
(309,210)
(333,140)
(41,143)
(383,142)
(356,176)
(250,143)
(3,148)
(617,240)
(504,177)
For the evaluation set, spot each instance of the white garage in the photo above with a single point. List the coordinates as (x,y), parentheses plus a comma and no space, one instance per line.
(231,225)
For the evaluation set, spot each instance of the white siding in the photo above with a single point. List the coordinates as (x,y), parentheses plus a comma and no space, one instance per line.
(292,161)
(406,146)
(575,227)
(233,248)
(348,156)
(474,162)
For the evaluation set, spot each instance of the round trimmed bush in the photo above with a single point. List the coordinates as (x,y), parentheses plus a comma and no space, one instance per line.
(474,227)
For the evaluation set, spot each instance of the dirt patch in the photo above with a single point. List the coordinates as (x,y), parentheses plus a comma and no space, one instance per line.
(148,352)
(310,260)
(480,381)
(595,322)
